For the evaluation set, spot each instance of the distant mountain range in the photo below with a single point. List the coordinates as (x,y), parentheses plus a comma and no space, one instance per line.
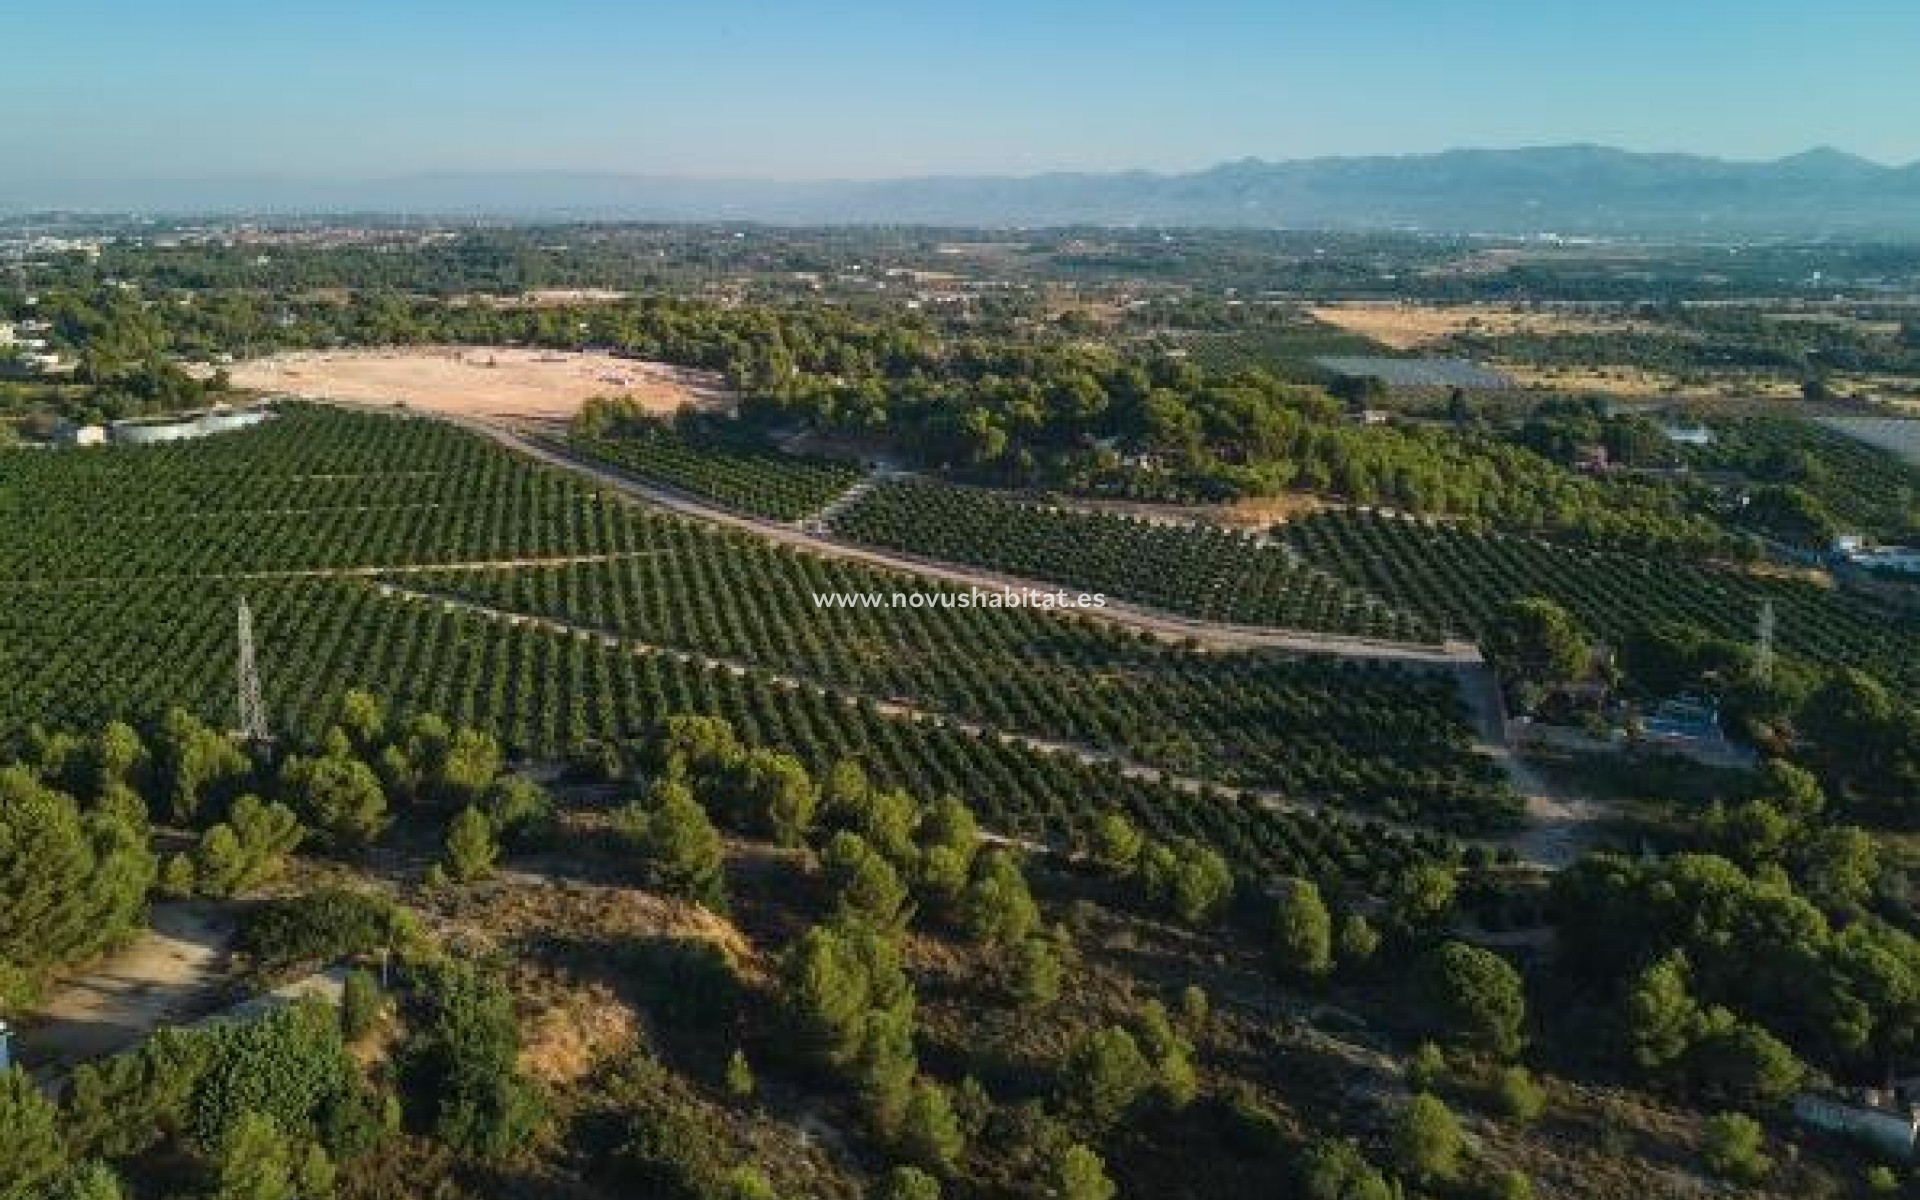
(1572,190)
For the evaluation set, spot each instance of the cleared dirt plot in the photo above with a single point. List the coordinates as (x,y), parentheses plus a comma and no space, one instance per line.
(1406,326)
(482,381)
(170,973)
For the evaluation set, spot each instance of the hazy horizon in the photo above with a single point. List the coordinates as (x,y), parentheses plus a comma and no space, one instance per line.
(560,172)
(213,90)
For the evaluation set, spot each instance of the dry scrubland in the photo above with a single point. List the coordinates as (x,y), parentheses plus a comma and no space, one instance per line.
(481,381)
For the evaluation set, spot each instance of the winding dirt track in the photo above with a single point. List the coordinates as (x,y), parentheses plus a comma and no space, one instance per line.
(1560,826)
(1217,635)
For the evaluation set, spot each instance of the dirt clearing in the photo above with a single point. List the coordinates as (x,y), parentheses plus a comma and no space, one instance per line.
(170,974)
(1408,326)
(482,381)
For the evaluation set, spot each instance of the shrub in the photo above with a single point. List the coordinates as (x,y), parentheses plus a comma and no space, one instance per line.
(1732,1146)
(1427,1141)
(1477,997)
(908,1183)
(361,1004)
(1518,1095)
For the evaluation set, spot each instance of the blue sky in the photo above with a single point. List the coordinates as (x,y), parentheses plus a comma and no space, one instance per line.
(844,88)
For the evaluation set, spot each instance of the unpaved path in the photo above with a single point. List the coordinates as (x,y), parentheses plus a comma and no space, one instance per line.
(1217,635)
(1561,825)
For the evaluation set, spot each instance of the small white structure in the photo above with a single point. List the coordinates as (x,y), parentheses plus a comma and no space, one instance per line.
(83,435)
(181,428)
(1688,435)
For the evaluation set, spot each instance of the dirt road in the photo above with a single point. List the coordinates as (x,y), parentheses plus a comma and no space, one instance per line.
(1170,626)
(1560,826)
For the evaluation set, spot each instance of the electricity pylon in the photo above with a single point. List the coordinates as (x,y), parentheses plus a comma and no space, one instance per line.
(253,714)
(1763,643)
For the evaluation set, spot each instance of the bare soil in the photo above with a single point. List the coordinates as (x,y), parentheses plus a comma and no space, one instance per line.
(1410,326)
(172,973)
(482,381)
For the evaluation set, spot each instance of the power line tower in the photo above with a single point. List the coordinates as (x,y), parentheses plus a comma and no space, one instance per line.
(253,714)
(1763,643)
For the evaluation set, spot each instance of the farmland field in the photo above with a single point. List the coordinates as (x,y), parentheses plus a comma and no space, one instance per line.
(664,801)
(1458,578)
(1373,738)
(756,481)
(1217,574)
(301,514)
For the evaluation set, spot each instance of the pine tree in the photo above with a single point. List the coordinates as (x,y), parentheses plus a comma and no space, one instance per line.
(1358,940)
(1079,1174)
(1037,973)
(1116,843)
(1428,1142)
(341,796)
(825,994)
(869,888)
(739,1076)
(999,908)
(32,1152)
(1662,1018)
(683,849)
(1476,996)
(929,1132)
(1303,930)
(1107,1075)
(256,1161)
(471,849)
